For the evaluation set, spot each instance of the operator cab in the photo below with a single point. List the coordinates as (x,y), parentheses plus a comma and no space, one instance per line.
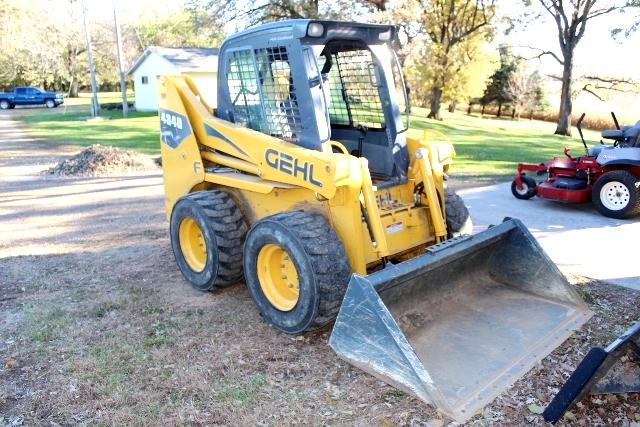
(313,82)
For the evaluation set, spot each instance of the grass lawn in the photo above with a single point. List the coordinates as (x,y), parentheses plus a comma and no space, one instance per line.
(75,127)
(84,98)
(488,148)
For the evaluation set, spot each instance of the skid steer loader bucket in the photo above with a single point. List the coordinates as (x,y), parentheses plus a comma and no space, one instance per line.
(459,324)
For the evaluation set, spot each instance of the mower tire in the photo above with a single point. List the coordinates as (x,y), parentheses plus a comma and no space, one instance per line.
(458,217)
(296,270)
(528,189)
(207,232)
(616,194)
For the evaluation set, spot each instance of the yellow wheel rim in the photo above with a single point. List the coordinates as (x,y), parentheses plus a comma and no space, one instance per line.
(192,244)
(278,277)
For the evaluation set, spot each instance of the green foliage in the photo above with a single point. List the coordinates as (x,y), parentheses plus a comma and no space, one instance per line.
(497,89)
(179,29)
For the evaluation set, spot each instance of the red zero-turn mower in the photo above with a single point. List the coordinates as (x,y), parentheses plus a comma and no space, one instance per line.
(608,175)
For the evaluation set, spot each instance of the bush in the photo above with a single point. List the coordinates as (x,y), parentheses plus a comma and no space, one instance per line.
(589,122)
(115,105)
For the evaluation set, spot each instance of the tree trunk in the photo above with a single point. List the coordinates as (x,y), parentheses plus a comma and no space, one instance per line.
(436,99)
(73,88)
(452,106)
(482,112)
(469,108)
(499,110)
(71,67)
(566,103)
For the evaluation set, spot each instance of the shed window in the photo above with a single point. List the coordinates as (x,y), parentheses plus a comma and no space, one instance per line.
(145,80)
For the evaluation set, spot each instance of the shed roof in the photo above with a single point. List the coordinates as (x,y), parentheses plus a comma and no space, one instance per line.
(185,59)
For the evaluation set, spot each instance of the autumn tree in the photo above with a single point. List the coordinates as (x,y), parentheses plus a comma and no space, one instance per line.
(450,24)
(184,28)
(570,19)
(245,14)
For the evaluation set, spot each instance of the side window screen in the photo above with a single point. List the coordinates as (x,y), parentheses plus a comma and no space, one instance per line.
(278,93)
(243,89)
(262,92)
(354,98)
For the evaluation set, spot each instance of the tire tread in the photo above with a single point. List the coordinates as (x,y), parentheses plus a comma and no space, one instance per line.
(328,259)
(230,228)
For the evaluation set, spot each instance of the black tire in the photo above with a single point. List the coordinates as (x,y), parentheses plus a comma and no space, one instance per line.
(320,262)
(49,103)
(528,191)
(625,184)
(458,217)
(223,230)
(4,104)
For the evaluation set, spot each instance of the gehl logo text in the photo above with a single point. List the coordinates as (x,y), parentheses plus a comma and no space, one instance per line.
(290,165)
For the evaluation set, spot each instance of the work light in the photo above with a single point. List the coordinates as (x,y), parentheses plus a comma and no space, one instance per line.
(315,29)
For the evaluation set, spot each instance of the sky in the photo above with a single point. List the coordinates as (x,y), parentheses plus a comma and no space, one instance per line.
(596,54)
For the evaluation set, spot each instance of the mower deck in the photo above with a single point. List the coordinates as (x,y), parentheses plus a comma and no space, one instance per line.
(547,190)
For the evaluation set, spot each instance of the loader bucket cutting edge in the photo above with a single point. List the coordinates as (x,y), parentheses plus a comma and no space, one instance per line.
(461,323)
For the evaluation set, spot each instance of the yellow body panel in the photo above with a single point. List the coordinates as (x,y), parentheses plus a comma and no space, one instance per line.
(266,175)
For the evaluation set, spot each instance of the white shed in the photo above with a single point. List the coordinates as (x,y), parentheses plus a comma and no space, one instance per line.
(199,63)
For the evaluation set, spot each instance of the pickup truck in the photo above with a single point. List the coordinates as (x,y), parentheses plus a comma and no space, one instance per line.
(29,96)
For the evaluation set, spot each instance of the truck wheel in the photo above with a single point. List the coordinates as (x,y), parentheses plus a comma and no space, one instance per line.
(616,194)
(207,233)
(296,270)
(528,189)
(4,105)
(49,103)
(458,217)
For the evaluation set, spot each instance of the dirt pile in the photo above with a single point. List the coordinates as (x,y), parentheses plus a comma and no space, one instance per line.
(98,160)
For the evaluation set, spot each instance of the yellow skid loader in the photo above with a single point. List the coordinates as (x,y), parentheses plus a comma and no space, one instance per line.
(306,181)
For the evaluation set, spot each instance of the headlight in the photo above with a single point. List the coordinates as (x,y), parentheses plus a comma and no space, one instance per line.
(385,37)
(315,29)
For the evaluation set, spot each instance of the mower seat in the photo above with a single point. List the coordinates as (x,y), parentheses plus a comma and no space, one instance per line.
(613,133)
(596,149)
(570,183)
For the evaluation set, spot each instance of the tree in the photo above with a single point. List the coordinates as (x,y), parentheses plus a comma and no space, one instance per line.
(185,28)
(570,19)
(261,11)
(525,90)
(449,24)
(497,90)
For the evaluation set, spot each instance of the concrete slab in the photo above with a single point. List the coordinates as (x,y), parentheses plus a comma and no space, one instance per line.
(576,237)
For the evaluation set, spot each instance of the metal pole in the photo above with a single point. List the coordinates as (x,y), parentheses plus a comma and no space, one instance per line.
(123,84)
(95,107)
